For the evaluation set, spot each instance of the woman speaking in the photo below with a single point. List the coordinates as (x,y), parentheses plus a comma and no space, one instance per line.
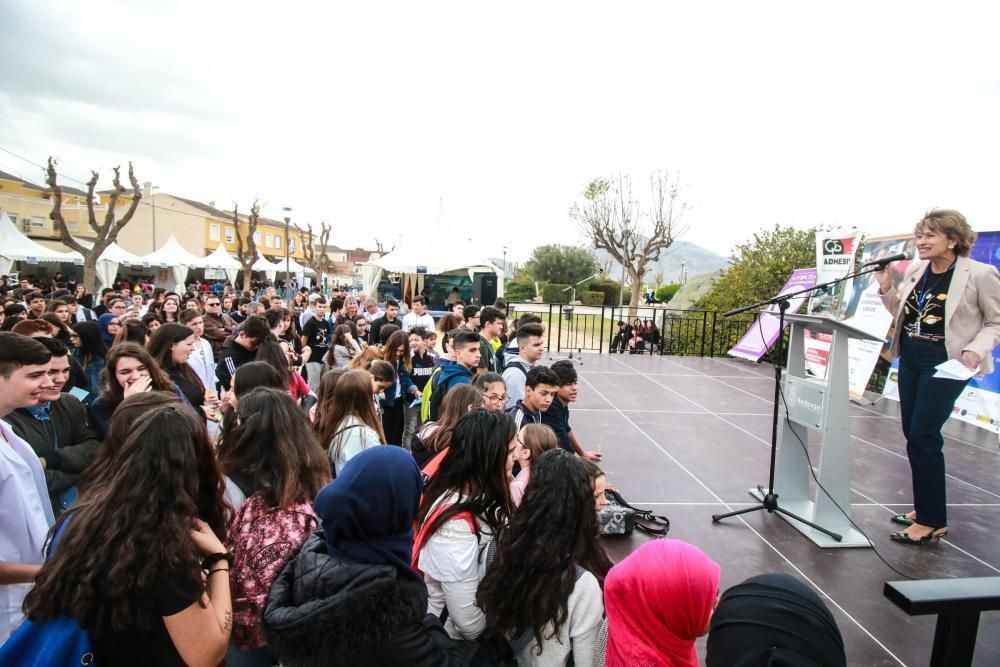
(946,307)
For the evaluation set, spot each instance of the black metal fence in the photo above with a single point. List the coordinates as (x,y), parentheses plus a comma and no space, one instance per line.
(702,333)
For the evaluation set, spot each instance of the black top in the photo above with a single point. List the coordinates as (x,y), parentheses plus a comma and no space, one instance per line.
(557,418)
(928,299)
(423,366)
(317,333)
(149,647)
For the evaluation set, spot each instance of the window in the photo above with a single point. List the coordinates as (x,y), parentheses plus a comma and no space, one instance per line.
(213,232)
(291,245)
(277,240)
(256,238)
(13,218)
(230,235)
(36,223)
(268,240)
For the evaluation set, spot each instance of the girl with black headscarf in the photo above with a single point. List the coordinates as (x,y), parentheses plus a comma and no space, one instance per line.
(349,597)
(773,620)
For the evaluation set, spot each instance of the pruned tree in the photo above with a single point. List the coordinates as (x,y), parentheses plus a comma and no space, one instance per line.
(246,244)
(105,232)
(318,261)
(634,232)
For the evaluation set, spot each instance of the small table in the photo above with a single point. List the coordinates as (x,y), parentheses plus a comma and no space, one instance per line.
(957,602)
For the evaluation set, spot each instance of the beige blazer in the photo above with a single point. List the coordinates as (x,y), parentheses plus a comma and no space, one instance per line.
(971,311)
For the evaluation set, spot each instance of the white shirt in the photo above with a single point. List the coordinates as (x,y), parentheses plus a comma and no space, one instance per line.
(203,362)
(25,519)
(411,320)
(371,317)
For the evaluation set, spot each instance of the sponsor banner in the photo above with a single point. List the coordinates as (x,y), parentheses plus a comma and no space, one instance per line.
(762,334)
(834,259)
(979,403)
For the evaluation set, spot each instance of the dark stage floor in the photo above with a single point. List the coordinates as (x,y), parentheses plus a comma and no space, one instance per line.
(689,436)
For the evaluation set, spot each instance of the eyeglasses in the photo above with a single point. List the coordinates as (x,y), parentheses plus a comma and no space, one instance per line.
(212,305)
(494,397)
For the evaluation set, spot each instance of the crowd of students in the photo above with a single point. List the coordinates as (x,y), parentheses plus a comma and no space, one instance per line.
(205,477)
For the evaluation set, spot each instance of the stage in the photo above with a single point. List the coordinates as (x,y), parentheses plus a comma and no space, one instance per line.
(688,436)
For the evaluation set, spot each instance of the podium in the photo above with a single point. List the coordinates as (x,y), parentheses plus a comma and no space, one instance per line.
(821,406)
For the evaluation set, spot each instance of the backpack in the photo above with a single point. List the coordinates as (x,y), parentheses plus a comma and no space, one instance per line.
(262,539)
(515,362)
(57,641)
(620,518)
(420,539)
(425,401)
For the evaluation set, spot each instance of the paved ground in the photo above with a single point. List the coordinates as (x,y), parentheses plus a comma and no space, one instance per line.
(689,436)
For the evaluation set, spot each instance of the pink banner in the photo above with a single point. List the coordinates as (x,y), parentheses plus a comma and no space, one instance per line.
(761,336)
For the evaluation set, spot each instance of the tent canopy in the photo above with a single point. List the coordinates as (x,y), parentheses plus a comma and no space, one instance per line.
(171,253)
(16,247)
(293,267)
(220,259)
(114,253)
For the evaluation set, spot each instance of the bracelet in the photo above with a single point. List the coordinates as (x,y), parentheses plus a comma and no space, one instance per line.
(218,569)
(212,559)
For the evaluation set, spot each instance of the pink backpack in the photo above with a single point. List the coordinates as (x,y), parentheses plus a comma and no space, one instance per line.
(262,539)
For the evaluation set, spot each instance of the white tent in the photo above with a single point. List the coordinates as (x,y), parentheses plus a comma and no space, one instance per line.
(16,247)
(110,260)
(171,255)
(220,259)
(440,250)
(269,269)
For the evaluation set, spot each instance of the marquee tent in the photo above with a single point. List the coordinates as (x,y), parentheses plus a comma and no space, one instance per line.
(16,247)
(172,256)
(220,259)
(110,260)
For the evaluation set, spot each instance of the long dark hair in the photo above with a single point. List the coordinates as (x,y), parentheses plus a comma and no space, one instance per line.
(553,531)
(455,405)
(111,389)
(474,467)
(91,344)
(132,524)
(274,445)
(399,339)
(351,397)
(161,347)
(272,354)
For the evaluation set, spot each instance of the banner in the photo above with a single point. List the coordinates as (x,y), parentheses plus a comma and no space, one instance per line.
(864,310)
(834,259)
(979,403)
(762,334)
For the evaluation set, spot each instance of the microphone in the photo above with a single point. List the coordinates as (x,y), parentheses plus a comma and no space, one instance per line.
(885,260)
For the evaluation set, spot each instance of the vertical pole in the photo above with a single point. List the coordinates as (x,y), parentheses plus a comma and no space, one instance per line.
(711,348)
(549,343)
(663,330)
(704,323)
(600,341)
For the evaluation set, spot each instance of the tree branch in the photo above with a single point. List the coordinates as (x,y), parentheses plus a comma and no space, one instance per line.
(56,214)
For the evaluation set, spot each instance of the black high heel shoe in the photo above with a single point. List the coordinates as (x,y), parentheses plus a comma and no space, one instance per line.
(932,537)
(902,519)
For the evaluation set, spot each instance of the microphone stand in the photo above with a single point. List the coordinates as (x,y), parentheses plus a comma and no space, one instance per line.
(770,499)
(569,312)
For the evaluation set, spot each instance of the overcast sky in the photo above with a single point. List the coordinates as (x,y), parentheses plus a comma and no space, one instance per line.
(366,114)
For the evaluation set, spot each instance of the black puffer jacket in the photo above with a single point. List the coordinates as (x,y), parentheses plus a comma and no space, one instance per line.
(325,610)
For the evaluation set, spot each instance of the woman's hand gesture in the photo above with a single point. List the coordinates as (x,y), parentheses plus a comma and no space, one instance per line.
(205,539)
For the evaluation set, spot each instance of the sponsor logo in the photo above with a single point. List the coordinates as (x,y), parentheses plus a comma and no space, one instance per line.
(838,246)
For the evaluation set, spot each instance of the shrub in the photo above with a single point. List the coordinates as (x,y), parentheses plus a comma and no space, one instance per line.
(607,287)
(553,293)
(665,293)
(592,298)
(519,291)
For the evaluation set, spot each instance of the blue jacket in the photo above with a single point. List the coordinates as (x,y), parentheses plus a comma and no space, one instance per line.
(402,377)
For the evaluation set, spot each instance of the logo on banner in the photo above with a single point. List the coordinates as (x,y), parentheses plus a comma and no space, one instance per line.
(838,246)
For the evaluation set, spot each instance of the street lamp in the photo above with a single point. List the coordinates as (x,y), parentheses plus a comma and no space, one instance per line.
(505,261)
(288,273)
(151,193)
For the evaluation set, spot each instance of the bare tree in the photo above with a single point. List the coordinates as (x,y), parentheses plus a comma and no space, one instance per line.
(105,232)
(634,232)
(246,245)
(317,260)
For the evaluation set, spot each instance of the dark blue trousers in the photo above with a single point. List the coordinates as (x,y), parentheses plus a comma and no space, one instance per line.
(925,403)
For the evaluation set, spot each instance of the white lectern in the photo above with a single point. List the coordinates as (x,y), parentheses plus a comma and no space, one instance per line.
(821,406)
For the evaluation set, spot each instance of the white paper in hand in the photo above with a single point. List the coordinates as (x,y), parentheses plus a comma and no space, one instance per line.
(954,370)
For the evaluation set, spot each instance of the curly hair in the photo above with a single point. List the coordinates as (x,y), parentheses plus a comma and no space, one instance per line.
(476,468)
(554,531)
(132,523)
(111,389)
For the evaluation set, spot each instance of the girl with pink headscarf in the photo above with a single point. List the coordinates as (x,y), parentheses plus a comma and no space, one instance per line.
(659,600)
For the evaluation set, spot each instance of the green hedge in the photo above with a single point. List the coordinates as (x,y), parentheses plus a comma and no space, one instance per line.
(609,288)
(665,293)
(553,293)
(592,298)
(519,291)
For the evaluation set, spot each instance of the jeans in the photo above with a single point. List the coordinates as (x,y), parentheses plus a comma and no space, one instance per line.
(411,424)
(925,403)
(314,373)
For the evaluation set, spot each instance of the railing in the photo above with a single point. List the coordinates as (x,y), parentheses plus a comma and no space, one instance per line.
(703,333)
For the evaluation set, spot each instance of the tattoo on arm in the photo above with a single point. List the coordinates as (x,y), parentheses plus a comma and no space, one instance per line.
(228,623)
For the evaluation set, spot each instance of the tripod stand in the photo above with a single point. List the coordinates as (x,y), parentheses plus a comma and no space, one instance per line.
(769,499)
(569,312)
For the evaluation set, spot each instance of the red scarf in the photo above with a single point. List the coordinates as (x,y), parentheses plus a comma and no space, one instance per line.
(658,601)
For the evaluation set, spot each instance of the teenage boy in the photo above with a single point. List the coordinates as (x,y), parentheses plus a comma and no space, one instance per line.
(530,348)
(472,320)
(27,512)
(57,431)
(490,325)
(35,303)
(420,359)
(337,311)
(202,358)
(557,416)
(540,387)
(418,317)
(391,311)
(316,336)
(465,346)
(241,349)
(510,349)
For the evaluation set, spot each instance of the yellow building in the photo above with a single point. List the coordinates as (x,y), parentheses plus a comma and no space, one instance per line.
(28,207)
